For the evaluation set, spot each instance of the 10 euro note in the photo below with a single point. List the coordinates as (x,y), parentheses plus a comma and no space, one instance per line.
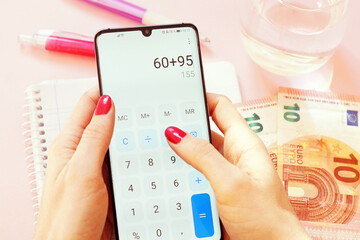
(318,160)
(261,116)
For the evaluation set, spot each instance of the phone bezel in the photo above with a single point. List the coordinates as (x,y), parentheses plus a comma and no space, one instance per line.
(142,28)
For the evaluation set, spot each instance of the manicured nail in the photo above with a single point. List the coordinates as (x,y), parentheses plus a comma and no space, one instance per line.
(103,106)
(174,134)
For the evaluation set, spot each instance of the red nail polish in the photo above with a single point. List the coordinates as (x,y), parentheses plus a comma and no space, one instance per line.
(103,106)
(174,134)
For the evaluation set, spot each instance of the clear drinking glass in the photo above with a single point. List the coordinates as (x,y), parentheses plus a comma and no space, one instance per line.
(292,37)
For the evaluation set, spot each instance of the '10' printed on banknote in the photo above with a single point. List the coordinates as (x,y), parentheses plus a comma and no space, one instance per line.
(313,139)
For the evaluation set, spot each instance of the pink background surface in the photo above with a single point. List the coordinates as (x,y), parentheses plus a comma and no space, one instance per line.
(21,67)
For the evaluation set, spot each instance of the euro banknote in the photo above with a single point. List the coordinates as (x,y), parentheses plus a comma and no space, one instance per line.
(313,140)
(318,160)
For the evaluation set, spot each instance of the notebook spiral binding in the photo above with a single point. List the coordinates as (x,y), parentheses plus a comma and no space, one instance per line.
(35,144)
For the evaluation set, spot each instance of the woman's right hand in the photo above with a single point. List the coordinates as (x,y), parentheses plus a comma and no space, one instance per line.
(251,200)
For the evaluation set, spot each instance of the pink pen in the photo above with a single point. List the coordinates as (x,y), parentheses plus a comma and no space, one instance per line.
(60,41)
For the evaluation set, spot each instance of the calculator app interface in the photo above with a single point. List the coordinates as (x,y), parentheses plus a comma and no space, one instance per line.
(156,82)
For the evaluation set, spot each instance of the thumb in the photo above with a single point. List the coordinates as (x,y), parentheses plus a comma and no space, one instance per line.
(96,137)
(200,154)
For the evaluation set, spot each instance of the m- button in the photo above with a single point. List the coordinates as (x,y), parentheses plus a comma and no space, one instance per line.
(145,116)
(167,113)
(190,111)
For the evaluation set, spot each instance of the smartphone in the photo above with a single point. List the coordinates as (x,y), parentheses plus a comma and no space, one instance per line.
(154,76)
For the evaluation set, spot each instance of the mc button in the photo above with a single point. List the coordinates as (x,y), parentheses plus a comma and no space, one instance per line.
(124,117)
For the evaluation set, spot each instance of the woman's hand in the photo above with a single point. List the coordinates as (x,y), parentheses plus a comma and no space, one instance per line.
(251,200)
(74,204)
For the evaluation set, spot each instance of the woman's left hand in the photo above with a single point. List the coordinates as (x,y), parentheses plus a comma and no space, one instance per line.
(74,203)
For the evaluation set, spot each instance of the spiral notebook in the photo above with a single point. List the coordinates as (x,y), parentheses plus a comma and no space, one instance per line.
(49,104)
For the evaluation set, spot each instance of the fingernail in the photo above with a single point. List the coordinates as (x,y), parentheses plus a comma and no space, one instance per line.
(174,134)
(103,106)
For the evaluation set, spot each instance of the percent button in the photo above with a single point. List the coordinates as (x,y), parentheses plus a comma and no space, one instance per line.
(135,232)
(136,235)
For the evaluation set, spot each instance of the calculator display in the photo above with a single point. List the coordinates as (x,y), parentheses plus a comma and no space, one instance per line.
(156,81)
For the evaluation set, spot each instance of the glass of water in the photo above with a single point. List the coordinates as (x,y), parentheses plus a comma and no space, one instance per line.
(292,37)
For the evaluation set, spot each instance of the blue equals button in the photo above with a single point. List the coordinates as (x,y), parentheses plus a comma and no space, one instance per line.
(202,215)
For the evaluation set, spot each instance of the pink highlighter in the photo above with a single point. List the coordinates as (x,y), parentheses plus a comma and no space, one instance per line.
(60,41)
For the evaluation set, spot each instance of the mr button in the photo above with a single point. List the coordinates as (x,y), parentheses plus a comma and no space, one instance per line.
(190,111)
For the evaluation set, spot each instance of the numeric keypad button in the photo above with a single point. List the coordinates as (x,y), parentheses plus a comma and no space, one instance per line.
(156,209)
(130,187)
(153,186)
(172,161)
(176,183)
(128,164)
(182,230)
(159,231)
(179,207)
(132,212)
(150,162)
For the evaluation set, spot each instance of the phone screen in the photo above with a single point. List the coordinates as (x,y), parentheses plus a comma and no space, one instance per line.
(154,76)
